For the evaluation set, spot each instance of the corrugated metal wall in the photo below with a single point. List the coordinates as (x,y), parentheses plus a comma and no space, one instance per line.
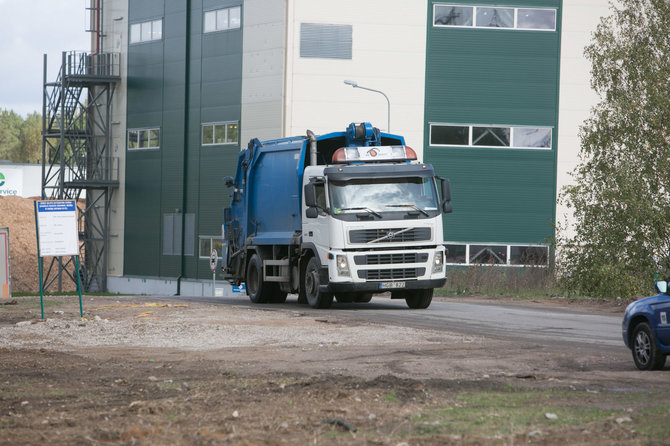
(177,83)
(499,77)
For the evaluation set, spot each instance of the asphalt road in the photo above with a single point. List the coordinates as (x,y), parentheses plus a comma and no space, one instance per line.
(535,323)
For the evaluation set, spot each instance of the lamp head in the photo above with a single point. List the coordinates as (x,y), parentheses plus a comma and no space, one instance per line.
(352,83)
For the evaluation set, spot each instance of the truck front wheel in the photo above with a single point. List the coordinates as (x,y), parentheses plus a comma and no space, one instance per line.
(258,290)
(419,299)
(311,283)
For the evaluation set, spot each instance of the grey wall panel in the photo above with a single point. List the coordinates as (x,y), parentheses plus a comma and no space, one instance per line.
(263,70)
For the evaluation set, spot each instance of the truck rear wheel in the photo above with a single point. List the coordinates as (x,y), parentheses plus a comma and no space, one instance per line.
(258,290)
(311,283)
(419,299)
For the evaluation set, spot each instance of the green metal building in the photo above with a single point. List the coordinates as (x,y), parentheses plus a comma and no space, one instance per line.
(491,125)
(183,112)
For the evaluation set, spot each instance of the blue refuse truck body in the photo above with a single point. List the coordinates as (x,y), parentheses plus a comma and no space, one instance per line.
(343,215)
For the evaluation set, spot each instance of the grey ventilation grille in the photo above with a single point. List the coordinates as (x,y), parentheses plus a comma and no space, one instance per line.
(325,41)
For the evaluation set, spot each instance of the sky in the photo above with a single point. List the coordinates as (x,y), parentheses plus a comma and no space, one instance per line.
(28,30)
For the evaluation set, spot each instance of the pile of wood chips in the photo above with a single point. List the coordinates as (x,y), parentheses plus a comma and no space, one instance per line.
(18,214)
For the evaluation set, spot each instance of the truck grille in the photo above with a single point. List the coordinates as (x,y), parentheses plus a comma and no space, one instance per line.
(394,235)
(390,274)
(390,259)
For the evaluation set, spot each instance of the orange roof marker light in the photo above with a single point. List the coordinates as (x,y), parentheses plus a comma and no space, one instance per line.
(373,154)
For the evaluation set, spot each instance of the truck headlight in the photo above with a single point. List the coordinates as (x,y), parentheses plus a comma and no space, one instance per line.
(342,265)
(438,262)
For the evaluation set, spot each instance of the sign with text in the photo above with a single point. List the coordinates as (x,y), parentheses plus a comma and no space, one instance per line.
(4,263)
(57,228)
(11,181)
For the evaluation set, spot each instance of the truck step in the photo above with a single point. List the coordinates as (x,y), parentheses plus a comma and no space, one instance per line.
(276,270)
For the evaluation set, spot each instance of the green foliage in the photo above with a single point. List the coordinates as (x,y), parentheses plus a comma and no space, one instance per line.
(621,196)
(390,397)
(20,140)
(10,129)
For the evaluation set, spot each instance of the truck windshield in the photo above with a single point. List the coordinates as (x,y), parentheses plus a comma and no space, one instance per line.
(384,195)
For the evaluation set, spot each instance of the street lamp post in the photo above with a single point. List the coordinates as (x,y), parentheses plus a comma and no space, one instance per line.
(388,103)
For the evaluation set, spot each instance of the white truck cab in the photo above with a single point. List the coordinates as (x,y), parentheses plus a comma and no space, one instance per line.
(374,218)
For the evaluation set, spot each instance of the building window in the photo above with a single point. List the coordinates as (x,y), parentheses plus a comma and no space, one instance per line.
(494,17)
(453,15)
(144,139)
(490,136)
(146,31)
(496,254)
(325,41)
(532,137)
(208,243)
(215,133)
(463,16)
(537,19)
(222,19)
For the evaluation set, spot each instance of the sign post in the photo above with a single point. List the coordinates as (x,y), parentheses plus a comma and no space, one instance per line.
(213,260)
(57,236)
(5,288)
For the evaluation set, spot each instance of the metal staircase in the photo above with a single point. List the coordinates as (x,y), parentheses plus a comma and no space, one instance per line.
(76,158)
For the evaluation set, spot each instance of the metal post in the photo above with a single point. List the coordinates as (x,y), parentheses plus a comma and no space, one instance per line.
(61,174)
(39,259)
(388,102)
(81,309)
(44,129)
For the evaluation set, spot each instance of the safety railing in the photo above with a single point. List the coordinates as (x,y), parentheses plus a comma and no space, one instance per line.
(79,63)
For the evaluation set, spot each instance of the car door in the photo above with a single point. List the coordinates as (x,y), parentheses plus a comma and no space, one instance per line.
(662,321)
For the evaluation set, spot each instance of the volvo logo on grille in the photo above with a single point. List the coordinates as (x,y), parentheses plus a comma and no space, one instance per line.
(388,234)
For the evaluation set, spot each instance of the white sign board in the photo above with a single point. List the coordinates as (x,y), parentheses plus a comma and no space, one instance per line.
(57,228)
(4,263)
(11,181)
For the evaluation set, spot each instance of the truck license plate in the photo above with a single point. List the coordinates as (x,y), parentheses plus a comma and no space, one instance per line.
(392,285)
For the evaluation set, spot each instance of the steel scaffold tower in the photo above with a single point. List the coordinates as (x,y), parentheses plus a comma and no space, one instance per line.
(76,158)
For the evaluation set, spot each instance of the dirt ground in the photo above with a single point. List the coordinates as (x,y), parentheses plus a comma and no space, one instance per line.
(141,372)
(18,214)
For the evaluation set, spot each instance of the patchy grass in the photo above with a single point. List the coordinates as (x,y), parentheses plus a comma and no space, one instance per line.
(390,397)
(657,425)
(524,283)
(516,411)
(66,294)
(32,302)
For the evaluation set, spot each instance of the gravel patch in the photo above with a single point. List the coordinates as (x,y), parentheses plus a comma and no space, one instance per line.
(202,328)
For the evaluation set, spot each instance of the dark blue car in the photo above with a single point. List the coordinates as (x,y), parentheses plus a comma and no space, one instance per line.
(646,330)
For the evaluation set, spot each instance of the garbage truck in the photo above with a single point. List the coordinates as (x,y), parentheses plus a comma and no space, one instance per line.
(343,216)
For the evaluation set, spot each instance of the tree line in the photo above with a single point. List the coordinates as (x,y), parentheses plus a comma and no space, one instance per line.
(20,139)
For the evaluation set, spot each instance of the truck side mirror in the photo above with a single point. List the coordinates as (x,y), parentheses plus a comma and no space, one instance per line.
(310,196)
(446,189)
(311,212)
(446,195)
(227,215)
(228,181)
